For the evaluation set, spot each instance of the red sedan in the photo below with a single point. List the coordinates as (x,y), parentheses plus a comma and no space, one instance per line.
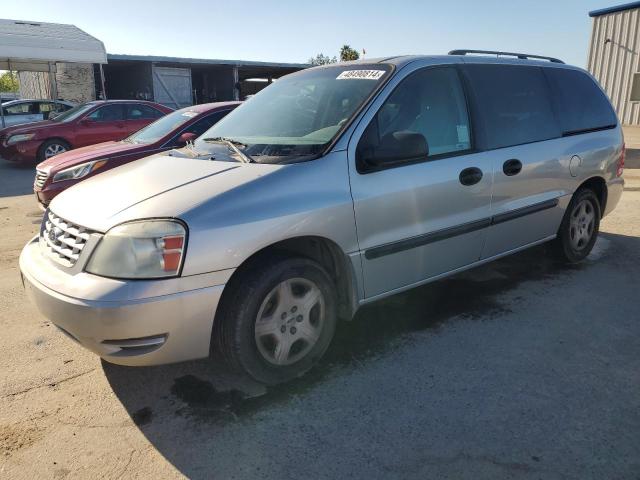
(171,131)
(86,124)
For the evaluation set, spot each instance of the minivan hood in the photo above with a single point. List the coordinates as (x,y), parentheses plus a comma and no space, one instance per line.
(136,190)
(86,154)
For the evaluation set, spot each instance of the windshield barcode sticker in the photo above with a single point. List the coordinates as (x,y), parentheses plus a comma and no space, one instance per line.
(360,74)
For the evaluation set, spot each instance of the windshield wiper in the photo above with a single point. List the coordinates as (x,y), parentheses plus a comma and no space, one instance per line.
(233,145)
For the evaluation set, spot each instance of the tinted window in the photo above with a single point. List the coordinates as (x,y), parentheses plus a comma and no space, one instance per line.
(141,112)
(514,103)
(430,102)
(580,105)
(108,113)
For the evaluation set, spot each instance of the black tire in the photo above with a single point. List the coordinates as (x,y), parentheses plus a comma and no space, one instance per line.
(52,142)
(234,330)
(564,245)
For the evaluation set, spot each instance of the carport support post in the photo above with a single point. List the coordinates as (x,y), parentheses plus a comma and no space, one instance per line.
(104,90)
(236,83)
(52,81)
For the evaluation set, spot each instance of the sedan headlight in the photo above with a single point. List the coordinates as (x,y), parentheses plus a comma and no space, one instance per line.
(78,171)
(142,249)
(22,137)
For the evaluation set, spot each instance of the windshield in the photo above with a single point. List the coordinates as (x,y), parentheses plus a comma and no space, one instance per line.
(162,127)
(298,115)
(73,113)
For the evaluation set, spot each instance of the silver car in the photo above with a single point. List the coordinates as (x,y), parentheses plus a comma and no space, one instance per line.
(17,112)
(330,189)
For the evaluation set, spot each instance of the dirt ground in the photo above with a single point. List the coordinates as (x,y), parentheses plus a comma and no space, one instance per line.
(519,369)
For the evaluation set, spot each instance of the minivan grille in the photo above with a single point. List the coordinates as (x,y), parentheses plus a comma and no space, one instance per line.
(41,178)
(62,240)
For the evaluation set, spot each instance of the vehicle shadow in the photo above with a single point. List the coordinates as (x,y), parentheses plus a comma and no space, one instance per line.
(15,179)
(171,403)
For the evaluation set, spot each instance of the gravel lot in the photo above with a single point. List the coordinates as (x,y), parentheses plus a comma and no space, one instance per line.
(519,369)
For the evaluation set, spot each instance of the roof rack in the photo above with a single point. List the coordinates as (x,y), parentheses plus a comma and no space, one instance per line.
(522,56)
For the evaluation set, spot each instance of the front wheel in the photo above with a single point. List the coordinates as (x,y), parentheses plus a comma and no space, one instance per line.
(278,319)
(51,148)
(579,228)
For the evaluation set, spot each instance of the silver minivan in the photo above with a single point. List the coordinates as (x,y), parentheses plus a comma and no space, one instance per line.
(330,189)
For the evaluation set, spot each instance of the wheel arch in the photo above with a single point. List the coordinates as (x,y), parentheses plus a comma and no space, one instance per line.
(320,249)
(599,187)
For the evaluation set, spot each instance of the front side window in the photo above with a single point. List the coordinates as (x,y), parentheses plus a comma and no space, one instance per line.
(430,102)
(298,115)
(18,109)
(515,104)
(108,113)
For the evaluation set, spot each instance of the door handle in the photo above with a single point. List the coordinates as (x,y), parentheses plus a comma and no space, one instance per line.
(470,176)
(512,167)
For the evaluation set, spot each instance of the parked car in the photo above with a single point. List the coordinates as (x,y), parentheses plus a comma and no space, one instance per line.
(171,131)
(330,189)
(86,124)
(17,112)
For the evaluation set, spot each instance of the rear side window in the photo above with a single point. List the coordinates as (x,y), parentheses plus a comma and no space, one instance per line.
(142,112)
(580,105)
(515,104)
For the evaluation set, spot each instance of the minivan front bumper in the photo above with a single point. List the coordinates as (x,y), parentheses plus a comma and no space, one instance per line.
(125,322)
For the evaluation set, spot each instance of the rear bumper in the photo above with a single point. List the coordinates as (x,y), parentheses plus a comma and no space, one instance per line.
(615,188)
(116,322)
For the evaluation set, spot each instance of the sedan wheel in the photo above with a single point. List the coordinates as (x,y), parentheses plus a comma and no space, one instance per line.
(54,149)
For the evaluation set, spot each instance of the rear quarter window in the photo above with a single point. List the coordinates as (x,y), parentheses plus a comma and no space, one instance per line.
(514,104)
(579,103)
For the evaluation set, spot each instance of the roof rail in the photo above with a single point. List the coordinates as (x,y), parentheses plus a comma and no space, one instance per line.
(522,56)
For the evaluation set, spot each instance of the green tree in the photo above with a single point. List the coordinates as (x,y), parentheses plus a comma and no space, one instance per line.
(347,53)
(321,59)
(8,82)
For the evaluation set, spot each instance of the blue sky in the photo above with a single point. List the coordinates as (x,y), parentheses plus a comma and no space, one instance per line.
(293,31)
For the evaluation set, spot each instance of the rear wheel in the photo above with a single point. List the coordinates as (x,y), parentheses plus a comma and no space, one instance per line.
(278,319)
(51,148)
(579,229)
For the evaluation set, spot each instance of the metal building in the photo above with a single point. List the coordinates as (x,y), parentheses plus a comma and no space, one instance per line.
(614,57)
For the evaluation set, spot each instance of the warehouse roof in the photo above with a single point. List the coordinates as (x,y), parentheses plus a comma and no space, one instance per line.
(27,45)
(617,8)
(208,61)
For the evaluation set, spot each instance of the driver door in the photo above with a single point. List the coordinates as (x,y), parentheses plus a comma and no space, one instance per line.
(422,217)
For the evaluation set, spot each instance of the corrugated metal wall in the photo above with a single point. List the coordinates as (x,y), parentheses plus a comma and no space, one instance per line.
(614,58)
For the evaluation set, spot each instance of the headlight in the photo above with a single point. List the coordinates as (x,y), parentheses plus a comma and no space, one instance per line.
(142,249)
(23,137)
(78,171)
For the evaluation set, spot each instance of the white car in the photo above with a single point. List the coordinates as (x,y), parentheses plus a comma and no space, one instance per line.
(29,111)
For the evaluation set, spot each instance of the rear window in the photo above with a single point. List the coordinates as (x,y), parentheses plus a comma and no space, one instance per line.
(515,104)
(580,105)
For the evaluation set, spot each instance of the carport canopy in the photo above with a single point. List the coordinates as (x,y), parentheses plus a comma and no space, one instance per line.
(38,46)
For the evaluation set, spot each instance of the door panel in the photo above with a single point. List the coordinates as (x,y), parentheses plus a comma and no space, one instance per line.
(412,220)
(172,86)
(529,205)
(417,220)
(103,124)
(521,133)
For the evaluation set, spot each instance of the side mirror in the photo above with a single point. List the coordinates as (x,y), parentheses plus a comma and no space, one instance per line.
(395,147)
(186,137)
